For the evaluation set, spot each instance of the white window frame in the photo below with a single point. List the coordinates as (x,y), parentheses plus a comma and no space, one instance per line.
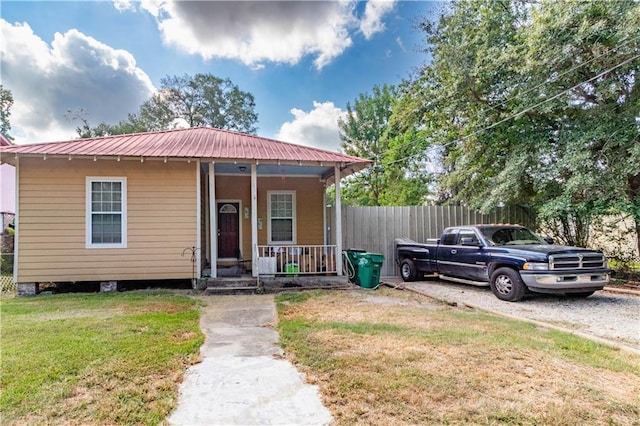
(294,218)
(89,212)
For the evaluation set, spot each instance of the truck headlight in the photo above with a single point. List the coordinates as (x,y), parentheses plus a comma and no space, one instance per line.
(535,266)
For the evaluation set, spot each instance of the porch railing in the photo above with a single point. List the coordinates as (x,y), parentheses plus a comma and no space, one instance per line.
(294,260)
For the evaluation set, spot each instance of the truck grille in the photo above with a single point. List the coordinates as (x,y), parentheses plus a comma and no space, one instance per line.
(577,261)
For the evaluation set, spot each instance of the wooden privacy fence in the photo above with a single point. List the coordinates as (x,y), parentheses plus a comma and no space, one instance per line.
(375,228)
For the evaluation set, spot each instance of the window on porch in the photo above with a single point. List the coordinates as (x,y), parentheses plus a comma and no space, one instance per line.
(282,217)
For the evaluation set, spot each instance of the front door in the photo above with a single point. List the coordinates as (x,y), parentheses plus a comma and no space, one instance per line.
(229,230)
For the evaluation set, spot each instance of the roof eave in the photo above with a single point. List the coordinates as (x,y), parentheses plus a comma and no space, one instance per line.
(346,169)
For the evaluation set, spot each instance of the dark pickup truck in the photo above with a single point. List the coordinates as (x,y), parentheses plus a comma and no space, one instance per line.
(509,258)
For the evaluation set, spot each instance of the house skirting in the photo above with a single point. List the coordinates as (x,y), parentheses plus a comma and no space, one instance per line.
(274,284)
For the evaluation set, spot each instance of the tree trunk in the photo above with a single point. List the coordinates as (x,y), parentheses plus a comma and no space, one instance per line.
(633,192)
(637,222)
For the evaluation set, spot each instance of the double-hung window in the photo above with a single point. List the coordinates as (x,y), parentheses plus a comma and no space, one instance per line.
(282,217)
(106,221)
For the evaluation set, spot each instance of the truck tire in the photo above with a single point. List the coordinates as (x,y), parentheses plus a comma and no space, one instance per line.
(408,270)
(507,285)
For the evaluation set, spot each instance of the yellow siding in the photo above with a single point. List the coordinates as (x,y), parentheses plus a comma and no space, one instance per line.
(309,205)
(161,216)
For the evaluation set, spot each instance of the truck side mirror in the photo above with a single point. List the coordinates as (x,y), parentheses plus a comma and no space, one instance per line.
(466,241)
(549,240)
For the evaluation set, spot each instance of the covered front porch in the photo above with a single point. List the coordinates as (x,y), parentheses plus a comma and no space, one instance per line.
(266,223)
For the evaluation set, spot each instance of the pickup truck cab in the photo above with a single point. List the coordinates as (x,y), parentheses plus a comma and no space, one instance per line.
(508,258)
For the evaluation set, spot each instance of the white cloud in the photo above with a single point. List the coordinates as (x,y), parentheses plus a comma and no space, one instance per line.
(373,13)
(317,128)
(123,5)
(254,32)
(75,71)
(401,44)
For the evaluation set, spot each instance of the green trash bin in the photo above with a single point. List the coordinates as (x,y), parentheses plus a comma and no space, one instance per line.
(350,263)
(368,270)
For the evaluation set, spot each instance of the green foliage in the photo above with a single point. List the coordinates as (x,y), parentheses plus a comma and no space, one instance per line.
(367,132)
(133,124)
(199,100)
(6,102)
(6,264)
(535,105)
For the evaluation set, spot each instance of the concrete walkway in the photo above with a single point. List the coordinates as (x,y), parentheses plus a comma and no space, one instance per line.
(242,379)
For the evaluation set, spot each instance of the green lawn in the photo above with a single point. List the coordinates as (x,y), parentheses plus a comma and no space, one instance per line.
(95,358)
(389,357)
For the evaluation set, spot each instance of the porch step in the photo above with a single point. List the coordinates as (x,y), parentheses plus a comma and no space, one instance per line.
(232,290)
(227,285)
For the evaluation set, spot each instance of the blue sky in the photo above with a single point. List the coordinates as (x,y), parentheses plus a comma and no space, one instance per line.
(303,61)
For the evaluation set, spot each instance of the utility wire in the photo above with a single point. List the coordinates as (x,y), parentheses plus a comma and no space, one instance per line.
(572,69)
(555,96)
(475,132)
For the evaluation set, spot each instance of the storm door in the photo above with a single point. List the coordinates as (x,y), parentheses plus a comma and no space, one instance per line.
(228,230)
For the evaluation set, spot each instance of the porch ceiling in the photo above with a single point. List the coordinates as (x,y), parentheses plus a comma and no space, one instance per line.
(271,169)
(322,172)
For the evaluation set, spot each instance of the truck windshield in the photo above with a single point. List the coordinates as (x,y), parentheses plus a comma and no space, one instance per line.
(498,236)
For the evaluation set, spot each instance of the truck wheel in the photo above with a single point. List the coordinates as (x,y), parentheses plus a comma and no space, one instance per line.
(408,270)
(506,284)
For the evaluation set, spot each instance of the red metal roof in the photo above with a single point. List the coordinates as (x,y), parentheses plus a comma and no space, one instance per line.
(197,142)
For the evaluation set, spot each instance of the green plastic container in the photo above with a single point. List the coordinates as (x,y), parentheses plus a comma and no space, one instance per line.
(291,269)
(352,261)
(368,270)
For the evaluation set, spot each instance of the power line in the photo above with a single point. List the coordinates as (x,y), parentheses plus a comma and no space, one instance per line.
(558,95)
(572,69)
(475,132)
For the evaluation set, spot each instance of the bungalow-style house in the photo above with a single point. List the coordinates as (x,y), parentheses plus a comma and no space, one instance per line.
(173,205)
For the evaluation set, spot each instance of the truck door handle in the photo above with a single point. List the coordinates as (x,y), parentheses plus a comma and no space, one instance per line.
(454,251)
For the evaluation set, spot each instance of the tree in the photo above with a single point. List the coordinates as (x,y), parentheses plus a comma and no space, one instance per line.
(201,100)
(366,132)
(535,105)
(598,119)
(6,102)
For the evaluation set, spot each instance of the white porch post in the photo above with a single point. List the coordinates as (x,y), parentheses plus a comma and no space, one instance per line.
(324,216)
(338,220)
(254,220)
(207,223)
(213,220)
(16,223)
(198,222)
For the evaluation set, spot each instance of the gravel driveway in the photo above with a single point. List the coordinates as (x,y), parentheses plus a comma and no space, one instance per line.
(608,315)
